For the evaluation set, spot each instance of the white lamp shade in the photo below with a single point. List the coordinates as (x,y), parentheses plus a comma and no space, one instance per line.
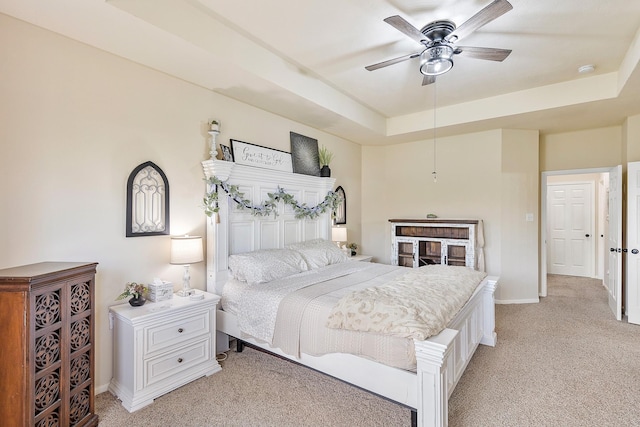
(338,234)
(186,249)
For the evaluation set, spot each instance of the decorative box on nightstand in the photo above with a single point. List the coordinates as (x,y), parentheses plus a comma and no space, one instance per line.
(161,346)
(361,258)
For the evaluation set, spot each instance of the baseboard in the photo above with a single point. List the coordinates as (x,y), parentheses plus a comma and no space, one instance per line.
(101,389)
(518,301)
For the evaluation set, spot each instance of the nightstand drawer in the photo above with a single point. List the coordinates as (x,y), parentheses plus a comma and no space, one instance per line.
(176,331)
(170,364)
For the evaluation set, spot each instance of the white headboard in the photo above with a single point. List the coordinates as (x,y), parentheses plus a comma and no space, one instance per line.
(239,231)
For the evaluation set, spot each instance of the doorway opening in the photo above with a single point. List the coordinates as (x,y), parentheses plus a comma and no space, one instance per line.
(574,224)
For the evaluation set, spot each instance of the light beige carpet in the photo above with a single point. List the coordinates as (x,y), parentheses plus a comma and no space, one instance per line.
(562,362)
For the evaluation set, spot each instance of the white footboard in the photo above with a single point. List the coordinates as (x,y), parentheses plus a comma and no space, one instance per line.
(441,359)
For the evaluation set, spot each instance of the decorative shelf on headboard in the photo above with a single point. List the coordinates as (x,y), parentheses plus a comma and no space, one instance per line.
(219,168)
(239,231)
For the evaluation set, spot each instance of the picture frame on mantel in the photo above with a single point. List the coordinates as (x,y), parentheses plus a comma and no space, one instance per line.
(245,153)
(304,151)
(226,153)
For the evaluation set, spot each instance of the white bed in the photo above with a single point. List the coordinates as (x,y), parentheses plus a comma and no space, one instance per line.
(440,359)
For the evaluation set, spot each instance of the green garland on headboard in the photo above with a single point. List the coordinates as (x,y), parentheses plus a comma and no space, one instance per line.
(267,207)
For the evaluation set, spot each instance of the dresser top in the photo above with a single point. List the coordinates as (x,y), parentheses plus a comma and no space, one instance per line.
(34,273)
(437,221)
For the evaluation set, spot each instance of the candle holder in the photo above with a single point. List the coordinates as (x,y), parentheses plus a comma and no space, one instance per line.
(214,131)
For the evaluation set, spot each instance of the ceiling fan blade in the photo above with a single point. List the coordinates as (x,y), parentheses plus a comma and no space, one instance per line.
(404,27)
(427,80)
(494,10)
(392,61)
(489,53)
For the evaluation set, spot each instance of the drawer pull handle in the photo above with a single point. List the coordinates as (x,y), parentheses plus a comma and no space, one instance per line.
(180,360)
(181,330)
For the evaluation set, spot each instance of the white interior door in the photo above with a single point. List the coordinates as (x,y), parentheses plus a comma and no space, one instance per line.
(633,243)
(613,275)
(571,229)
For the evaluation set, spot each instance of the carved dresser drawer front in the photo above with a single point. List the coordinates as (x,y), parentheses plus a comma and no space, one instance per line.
(169,364)
(179,331)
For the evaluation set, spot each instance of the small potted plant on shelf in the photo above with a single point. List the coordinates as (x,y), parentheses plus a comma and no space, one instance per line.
(214,126)
(136,291)
(325,156)
(353,248)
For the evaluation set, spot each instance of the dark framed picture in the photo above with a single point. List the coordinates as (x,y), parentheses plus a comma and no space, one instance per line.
(147,201)
(226,153)
(341,211)
(304,153)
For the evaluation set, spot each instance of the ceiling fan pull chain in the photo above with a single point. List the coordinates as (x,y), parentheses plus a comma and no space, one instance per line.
(434,173)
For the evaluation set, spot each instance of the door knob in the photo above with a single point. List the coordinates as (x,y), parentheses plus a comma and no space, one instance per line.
(634,251)
(587,235)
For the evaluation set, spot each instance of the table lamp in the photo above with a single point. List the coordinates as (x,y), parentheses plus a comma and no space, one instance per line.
(338,234)
(186,250)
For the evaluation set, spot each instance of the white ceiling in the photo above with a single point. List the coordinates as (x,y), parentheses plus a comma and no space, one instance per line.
(305,59)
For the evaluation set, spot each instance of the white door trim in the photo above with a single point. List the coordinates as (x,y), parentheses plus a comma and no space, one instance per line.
(542,290)
(614,241)
(632,260)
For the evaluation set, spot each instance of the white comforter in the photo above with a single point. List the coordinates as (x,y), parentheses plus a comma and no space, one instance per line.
(388,300)
(290,314)
(257,305)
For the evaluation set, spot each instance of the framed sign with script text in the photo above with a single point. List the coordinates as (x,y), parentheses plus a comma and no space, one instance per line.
(248,154)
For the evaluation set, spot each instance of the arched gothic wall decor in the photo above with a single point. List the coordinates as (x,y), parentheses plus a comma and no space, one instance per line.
(147,201)
(341,211)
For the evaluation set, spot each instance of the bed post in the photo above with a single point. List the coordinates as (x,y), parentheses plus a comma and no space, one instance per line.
(433,378)
(217,234)
(489,336)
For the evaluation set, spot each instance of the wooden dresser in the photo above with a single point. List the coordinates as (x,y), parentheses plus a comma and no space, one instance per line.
(418,242)
(47,351)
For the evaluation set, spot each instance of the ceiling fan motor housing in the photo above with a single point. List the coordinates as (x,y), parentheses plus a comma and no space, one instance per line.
(436,58)
(438,30)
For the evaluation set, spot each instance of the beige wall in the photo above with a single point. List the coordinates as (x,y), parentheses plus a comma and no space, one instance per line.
(593,148)
(519,276)
(632,139)
(76,121)
(490,175)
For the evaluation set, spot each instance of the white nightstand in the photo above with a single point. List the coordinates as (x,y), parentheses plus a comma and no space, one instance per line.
(161,346)
(361,258)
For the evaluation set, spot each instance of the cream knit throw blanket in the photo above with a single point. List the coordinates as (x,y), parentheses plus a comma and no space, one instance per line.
(418,304)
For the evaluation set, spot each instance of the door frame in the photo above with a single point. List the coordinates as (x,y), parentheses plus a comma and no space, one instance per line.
(542,289)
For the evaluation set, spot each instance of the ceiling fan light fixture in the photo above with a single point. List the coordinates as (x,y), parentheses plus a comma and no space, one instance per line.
(436,60)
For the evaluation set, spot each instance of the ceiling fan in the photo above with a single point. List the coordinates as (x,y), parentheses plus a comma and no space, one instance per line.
(438,38)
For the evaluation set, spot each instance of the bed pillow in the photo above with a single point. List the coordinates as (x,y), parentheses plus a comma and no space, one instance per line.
(319,252)
(266,265)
